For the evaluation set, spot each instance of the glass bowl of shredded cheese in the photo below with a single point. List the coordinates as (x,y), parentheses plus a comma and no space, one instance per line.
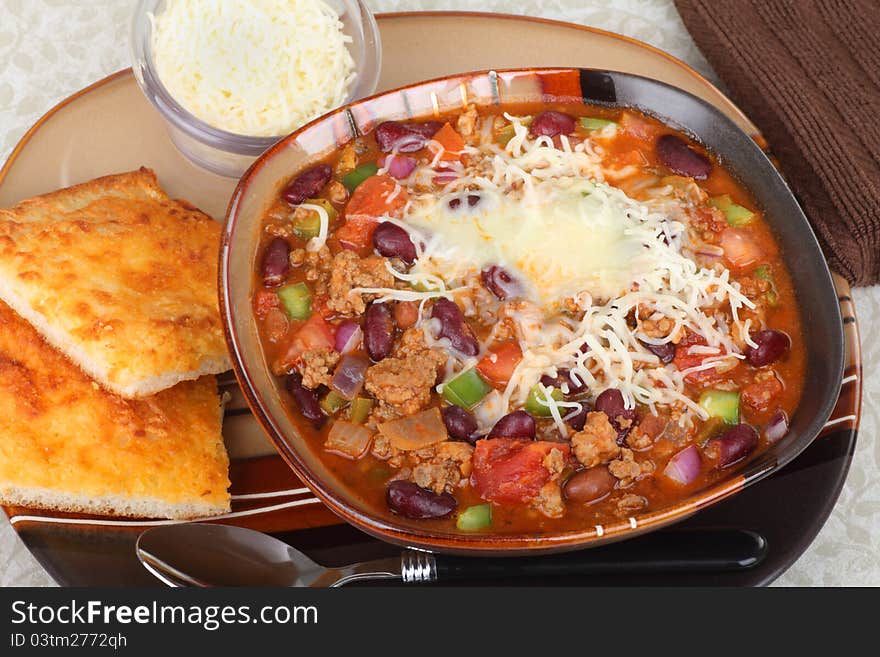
(232,77)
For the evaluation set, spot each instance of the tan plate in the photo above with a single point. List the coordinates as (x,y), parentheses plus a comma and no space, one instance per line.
(110,127)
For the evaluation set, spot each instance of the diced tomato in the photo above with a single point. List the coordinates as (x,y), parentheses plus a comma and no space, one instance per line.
(761,393)
(373,198)
(564,84)
(511,470)
(638,126)
(685,360)
(740,250)
(450,140)
(499,363)
(264,301)
(315,333)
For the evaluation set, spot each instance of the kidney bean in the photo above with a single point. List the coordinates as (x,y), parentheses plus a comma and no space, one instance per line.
(412,501)
(392,241)
(550,124)
(378,331)
(275,263)
(500,283)
(733,445)
(611,403)
(563,375)
(681,158)
(518,424)
(460,423)
(454,327)
(665,352)
(307,184)
(771,345)
(590,485)
(307,400)
(579,419)
(404,137)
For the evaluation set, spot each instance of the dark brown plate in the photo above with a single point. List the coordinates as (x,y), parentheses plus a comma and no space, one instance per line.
(110,127)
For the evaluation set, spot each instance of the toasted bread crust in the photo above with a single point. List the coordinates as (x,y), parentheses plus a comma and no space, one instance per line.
(68,444)
(120,278)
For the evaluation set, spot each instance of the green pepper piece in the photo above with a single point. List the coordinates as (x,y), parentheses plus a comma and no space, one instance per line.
(333,402)
(535,407)
(736,215)
(475,517)
(505,134)
(309,226)
(772,298)
(591,123)
(296,300)
(721,403)
(763,272)
(466,390)
(360,409)
(354,178)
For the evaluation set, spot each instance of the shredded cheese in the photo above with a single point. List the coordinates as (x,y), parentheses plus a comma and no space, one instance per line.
(546,215)
(253,67)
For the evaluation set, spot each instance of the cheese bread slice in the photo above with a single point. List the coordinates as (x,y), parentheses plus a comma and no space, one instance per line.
(68,444)
(120,278)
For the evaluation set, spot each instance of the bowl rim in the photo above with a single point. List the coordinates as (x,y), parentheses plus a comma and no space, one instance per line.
(518,543)
(144,69)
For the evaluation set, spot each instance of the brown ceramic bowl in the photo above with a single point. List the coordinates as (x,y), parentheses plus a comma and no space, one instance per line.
(818,301)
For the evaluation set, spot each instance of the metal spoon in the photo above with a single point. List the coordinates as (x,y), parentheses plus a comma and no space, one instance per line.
(197,554)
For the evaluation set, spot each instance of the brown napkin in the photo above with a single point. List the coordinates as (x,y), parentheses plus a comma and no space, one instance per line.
(807,72)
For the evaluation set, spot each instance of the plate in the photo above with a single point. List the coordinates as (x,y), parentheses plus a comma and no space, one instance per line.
(110,127)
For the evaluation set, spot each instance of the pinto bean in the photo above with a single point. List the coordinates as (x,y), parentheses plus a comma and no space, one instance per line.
(307,184)
(588,486)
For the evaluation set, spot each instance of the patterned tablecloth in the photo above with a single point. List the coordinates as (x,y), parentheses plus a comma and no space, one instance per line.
(51,48)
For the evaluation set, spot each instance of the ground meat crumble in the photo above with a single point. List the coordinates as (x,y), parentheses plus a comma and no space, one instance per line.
(316,367)
(403,382)
(348,271)
(597,442)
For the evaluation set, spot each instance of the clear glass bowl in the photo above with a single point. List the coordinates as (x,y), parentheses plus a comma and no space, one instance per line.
(228,153)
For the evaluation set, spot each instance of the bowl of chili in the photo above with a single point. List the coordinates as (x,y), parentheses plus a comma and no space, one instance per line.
(632,352)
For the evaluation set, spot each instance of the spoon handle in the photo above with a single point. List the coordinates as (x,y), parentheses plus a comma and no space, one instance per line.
(674,551)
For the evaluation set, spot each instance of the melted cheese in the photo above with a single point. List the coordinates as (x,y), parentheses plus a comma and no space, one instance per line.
(253,67)
(546,215)
(562,243)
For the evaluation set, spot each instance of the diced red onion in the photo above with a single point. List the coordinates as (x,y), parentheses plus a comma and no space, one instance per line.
(684,467)
(348,337)
(445,175)
(398,166)
(777,427)
(348,379)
